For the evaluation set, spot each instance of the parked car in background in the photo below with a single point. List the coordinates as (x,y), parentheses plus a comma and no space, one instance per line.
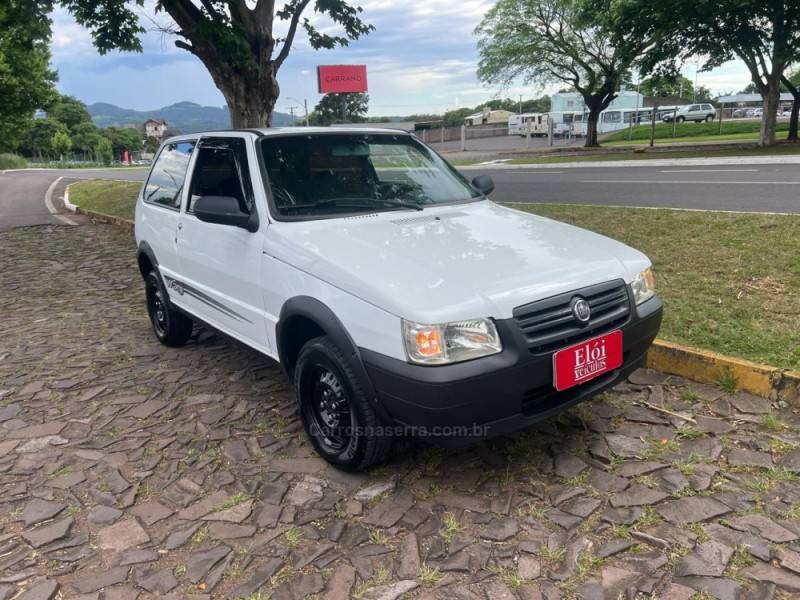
(397,297)
(739,113)
(692,112)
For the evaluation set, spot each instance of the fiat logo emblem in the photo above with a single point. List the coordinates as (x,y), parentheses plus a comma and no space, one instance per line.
(581,310)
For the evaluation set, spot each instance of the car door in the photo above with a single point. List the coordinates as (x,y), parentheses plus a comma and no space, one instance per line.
(220,265)
(162,196)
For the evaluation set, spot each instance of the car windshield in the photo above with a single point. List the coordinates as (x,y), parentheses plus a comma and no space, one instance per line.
(330,174)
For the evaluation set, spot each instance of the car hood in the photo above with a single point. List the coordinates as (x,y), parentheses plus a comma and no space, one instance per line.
(452,262)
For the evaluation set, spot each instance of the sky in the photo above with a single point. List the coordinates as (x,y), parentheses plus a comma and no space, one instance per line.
(422,58)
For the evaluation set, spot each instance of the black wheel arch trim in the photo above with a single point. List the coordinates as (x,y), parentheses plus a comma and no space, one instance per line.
(320,314)
(146,250)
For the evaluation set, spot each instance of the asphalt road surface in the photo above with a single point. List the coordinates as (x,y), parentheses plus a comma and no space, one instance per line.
(33,197)
(749,187)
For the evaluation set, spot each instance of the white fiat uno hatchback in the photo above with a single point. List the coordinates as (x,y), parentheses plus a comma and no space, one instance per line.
(396,296)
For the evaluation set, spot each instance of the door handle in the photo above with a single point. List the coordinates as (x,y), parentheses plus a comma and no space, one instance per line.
(180,225)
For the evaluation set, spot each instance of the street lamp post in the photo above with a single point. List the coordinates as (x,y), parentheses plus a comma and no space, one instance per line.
(305,106)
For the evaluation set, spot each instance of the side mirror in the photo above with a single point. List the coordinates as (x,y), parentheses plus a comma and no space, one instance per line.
(224,210)
(484,184)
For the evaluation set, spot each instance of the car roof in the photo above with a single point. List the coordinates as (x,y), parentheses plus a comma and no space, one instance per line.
(284,131)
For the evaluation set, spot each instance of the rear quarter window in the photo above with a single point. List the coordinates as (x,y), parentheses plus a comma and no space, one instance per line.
(165,185)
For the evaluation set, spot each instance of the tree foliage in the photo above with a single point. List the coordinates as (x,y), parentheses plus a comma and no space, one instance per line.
(236,40)
(26,80)
(761,33)
(558,42)
(62,143)
(329,109)
(37,140)
(104,151)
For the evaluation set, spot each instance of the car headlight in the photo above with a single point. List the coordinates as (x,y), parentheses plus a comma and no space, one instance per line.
(450,342)
(644,286)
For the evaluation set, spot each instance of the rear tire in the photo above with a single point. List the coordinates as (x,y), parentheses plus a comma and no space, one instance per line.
(336,411)
(172,327)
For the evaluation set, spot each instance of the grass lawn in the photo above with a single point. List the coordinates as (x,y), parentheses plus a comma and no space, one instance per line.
(115,198)
(783,149)
(692,132)
(730,282)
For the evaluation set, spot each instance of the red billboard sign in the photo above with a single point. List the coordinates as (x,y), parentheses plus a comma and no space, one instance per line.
(342,79)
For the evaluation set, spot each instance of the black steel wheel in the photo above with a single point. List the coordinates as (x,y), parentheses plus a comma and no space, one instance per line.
(329,410)
(172,328)
(337,414)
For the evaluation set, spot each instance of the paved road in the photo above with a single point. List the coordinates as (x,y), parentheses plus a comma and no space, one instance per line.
(752,188)
(22,194)
(743,187)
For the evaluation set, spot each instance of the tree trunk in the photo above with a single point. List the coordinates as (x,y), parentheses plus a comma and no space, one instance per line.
(795,92)
(251,96)
(792,137)
(591,128)
(769,118)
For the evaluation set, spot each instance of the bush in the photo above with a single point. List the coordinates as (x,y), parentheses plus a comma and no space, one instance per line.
(12,161)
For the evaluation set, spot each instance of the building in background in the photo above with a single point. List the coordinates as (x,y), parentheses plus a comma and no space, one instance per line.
(573,101)
(155,128)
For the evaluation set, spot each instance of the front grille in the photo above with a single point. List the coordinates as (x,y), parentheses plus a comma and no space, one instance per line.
(549,324)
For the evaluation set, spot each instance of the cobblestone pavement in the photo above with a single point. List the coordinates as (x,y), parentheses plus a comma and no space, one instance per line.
(130,470)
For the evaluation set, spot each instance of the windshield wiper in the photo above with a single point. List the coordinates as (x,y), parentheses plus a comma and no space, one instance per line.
(369,203)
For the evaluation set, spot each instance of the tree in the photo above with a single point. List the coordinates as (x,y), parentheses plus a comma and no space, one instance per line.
(62,144)
(124,138)
(668,85)
(791,82)
(558,42)
(104,151)
(69,111)
(26,80)
(329,109)
(761,33)
(85,137)
(151,145)
(234,39)
(455,118)
(37,141)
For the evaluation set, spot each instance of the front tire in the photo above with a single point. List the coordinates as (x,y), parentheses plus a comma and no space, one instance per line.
(709,118)
(172,328)
(680,119)
(336,411)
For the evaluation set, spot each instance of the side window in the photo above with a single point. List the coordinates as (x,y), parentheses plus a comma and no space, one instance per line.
(166,180)
(221,169)
(694,108)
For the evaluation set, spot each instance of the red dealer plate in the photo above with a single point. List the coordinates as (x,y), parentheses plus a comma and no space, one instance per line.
(585,361)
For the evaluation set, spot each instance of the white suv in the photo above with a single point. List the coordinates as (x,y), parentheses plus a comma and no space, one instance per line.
(395,295)
(692,112)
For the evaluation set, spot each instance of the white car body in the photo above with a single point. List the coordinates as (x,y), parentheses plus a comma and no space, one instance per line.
(373,272)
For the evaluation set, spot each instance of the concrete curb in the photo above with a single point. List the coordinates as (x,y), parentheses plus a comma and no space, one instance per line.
(67,204)
(702,366)
(120,222)
(709,367)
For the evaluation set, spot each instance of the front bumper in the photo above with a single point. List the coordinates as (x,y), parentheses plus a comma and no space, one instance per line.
(461,403)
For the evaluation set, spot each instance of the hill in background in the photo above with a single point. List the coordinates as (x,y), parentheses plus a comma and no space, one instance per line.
(186,117)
